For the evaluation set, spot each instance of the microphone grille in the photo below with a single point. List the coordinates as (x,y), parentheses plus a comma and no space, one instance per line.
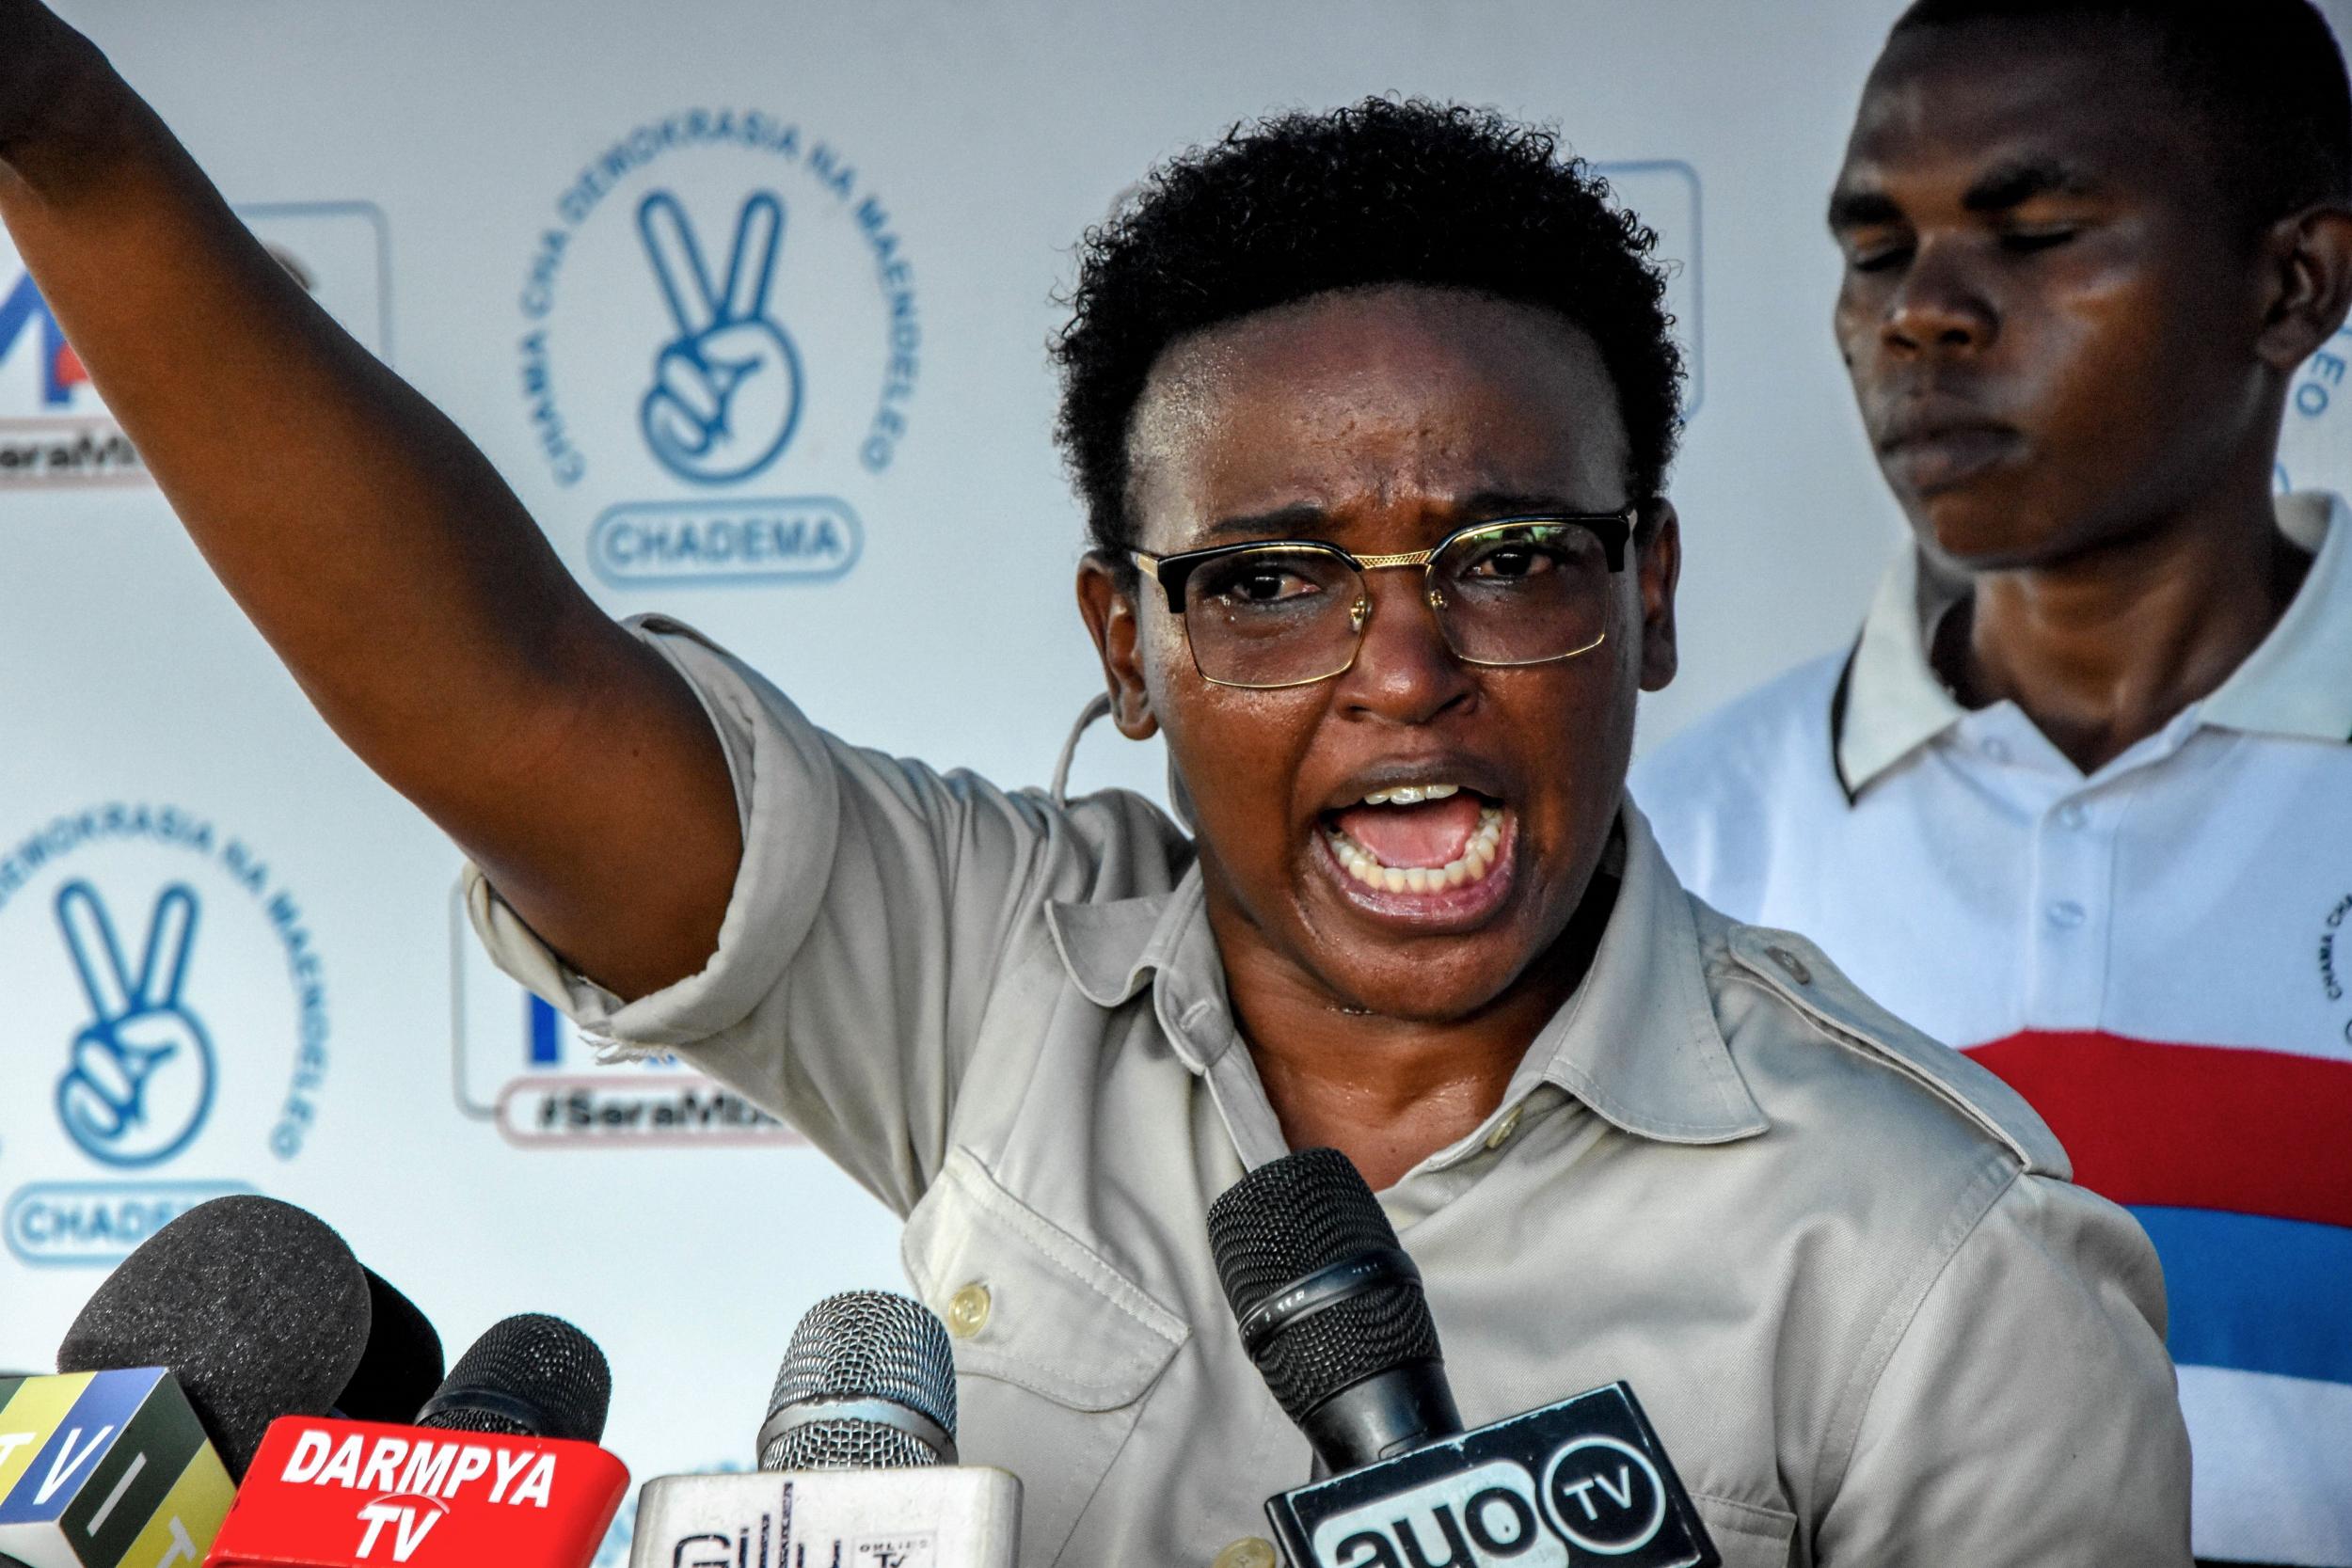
(529,1375)
(863,1345)
(846,1445)
(1284,1221)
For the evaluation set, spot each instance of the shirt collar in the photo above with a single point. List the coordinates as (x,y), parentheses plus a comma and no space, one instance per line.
(2298,682)
(1637,1042)
(1889,701)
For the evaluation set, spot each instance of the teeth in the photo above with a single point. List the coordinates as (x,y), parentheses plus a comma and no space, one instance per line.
(1476,859)
(1411,795)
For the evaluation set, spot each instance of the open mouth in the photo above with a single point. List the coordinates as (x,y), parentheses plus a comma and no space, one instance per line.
(1416,838)
(1434,849)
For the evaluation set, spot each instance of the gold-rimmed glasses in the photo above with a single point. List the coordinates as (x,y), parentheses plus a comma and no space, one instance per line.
(1279,612)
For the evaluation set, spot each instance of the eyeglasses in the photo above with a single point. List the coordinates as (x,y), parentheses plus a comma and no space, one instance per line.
(1292,612)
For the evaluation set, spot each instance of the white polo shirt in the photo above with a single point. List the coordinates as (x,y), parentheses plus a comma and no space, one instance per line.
(2158,955)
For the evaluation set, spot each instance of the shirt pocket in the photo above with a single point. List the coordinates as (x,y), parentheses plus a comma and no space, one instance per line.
(1749,1536)
(1055,1349)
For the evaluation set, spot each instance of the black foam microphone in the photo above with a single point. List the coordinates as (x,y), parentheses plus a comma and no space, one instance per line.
(1331,1310)
(256,1306)
(400,1367)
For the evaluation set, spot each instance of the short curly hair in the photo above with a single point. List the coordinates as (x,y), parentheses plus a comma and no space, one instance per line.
(1383,191)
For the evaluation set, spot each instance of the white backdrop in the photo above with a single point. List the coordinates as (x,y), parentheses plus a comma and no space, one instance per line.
(468,187)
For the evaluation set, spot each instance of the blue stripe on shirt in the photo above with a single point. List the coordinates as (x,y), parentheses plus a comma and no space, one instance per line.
(2256,1293)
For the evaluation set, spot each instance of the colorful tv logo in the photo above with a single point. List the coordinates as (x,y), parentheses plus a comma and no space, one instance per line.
(24,309)
(106,1467)
(55,429)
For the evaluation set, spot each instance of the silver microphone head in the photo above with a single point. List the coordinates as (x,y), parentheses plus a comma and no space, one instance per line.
(868,1383)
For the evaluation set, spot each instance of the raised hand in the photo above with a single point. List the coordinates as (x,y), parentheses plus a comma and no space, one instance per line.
(727,389)
(141,1076)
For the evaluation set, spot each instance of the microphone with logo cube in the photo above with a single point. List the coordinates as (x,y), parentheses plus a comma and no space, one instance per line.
(238,1311)
(244,1343)
(500,1465)
(1331,1310)
(857,1462)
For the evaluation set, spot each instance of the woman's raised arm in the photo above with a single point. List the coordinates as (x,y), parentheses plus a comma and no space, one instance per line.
(377,548)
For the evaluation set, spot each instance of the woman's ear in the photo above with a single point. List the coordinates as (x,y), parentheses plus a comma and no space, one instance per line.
(1113,619)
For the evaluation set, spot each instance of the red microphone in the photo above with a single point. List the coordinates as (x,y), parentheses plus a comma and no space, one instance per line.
(501,1466)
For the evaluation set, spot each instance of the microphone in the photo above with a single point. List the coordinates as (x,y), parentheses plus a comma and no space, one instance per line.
(868,1383)
(256,1306)
(857,1460)
(531,1375)
(236,1312)
(1331,1311)
(501,1465)
(400,1365)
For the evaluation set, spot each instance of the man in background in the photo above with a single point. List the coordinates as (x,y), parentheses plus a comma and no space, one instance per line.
(2079,797)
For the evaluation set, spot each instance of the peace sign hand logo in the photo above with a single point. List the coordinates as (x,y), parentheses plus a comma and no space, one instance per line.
(140,1080)
(727,389)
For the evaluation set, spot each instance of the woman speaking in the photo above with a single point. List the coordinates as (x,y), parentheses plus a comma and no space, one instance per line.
(1370,413)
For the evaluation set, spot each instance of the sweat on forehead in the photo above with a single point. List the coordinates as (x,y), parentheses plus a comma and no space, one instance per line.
(1370,397)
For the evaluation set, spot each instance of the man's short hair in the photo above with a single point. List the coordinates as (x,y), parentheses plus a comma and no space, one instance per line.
(1384,191)
(2268,75)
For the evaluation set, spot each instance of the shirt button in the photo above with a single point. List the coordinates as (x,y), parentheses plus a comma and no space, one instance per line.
(2072,815)
(1248,1552)
(968,1310)
(1508,1125)
(2066,914)
(1996,749)
(1789,961)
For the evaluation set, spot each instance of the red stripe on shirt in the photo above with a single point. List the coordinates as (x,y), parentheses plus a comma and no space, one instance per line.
(2191,1126)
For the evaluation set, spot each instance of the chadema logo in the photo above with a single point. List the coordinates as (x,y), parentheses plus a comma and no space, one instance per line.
(139,1082)
(721,344)
(167,1026)
(726,391)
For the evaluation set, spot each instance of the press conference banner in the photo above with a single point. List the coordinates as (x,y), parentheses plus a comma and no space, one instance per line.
(523,208)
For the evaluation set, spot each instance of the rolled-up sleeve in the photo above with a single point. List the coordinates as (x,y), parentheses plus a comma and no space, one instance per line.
(870,919)
(2027,1413)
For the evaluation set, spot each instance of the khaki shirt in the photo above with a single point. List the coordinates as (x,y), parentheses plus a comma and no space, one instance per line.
(1841,1266)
